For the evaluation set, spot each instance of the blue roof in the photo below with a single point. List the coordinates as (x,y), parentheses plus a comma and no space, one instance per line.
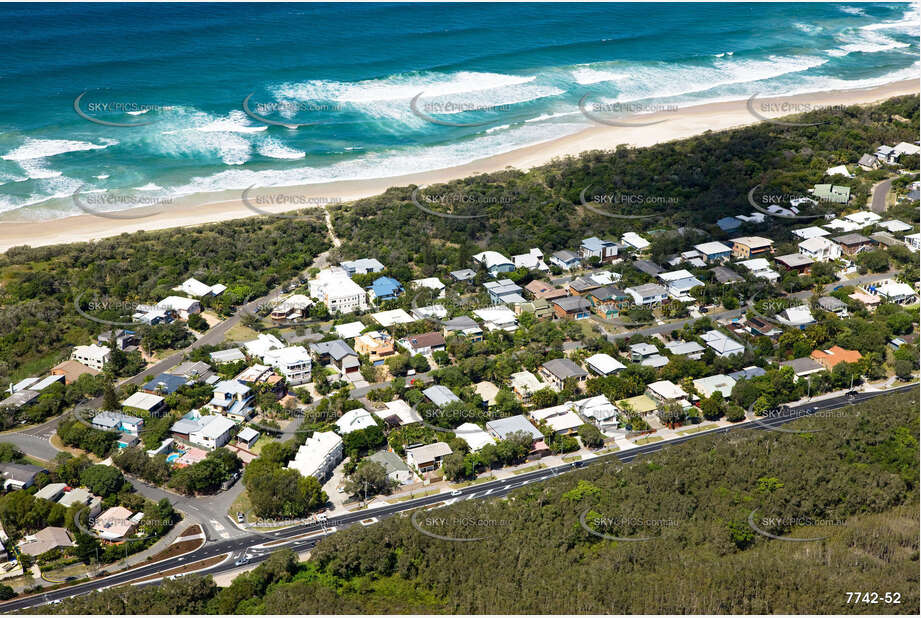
(386,286)
(747,373)
(596,244)
(165,383)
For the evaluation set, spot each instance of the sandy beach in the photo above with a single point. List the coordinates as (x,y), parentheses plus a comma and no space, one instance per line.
(226,205)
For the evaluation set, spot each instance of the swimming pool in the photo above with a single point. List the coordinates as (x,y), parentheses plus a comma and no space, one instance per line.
(172,457)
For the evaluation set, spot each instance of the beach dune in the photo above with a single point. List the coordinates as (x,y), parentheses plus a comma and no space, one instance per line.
(226,205)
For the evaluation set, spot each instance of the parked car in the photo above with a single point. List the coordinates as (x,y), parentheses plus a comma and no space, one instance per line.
(241,561)
(456,492)
(240,518)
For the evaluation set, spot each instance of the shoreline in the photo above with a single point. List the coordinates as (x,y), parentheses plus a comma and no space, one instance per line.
(206,208)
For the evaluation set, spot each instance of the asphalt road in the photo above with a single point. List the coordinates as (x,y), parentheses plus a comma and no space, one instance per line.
(880,191)
(253,547)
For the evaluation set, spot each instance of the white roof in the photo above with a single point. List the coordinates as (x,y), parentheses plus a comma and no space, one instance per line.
(644,349)
(312,455)
(666,389)
(432,283)
(635,240)
(863,217)
(598,408)
(430,311)
(796,316)
(492,258)
(194,287)
(682,348)
(403,411)
(46,382)
(894,225)
(496,315)
(810,232)
(710,248)
(247,434)
(753,241)
(214,426)
(842,224)
(394,316)
(711,384)
(295,301)
(756,264)
(262,344)
(353,420)
(97,352)
(142,401)
(177,303)
(474,436)
(526,381)
(838,169)
(895,289)
(290,355)
(815,244)
(675,275)
(350,330)
(656,360)
(906,148)
(720,342)
(604,363)
(559,418)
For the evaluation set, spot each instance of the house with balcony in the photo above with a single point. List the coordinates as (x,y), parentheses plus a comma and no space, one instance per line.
(494,262)
(604,250)
(376,345)
(293,362)
(233,399)
(713,251)
(608,301)
(384,288)
(820,249)
(571,308)
(532,260)
(852,244)
(566,259)
(680,283)
(746,247)
(648,294)
(555,372)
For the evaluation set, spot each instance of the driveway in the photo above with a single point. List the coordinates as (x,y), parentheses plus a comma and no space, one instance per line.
(880,191)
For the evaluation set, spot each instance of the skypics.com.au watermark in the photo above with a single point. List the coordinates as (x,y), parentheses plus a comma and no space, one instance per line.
(284,200)
(458,199)
(602,203)
(771,204)
(624,528)
(456,528)
(116,205)
(596,111)
(292,113)
(758,109)
(767,526)
(424,110)
(95,110)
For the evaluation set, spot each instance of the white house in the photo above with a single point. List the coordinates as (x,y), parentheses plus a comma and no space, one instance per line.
(798,317)
(497,318)
(712,384)
(213,432)
(760,268)
(262,345)
(293,362)
(863,218)
(494,262)
(820,249)
(431,283)
(713,251)
(319,455)
(635,240)
(688,349)
(604,250)
(474,436)
(679,283)
(338,292)
(532,260)
(194,287)
(600,411)
(913,242)
(354,420)
(603,364)
(721,344)
(810,232)
(561,419)
(839,170)
(93,356)
(893,291)
(666,390)
(181,305)
(647,294)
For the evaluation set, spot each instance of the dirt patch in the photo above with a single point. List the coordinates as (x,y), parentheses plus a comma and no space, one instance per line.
(195,566)
(191,531)
(177,549)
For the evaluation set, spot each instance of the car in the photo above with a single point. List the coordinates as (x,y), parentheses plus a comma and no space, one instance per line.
(241,518)
(456,492)
(241,561)
(177,576)
(852,394)
(704,310)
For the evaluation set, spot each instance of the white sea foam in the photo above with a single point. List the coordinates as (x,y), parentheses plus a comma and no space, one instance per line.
(865,41)
(274,149)
(138,112)
(34,148)
(102,176)
(235,122)
(150,186)
(853,10)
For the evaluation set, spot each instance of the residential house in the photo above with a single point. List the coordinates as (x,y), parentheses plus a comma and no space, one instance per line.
(429,312)
(803,367)
(820,249)
(337,353)
(727,224)
(761,268)
(213,431)
(647,267)
(293,362)
(679,283)
(635,241)
(362,266)
(580,286)
(913,242)
(852,244)
(376,345)
(72,370)
(608,301)
(885,239)
(398,413)
(835,194)
(474,436)
(746,247)
(232,399)
(463,326)
(839,170)
(19,476)
(540,308)
(466,274)
(599,411)
(726,276)
(810,232)
(894,225)
(688,349)
(391,317)
(164,384)
(354,420)
(833,305)
(502,428)
(247,437)
(123,339)
(721,344)
(747,373)
(666,391)
(318,455)
(795,261)
(543,290)
(194,371)
(20,399)
(494,262)
(440,395)
(571,308)
(262,345)
(384,288)
(863,218)
(833,356)
(504,291)
(891,291)
(115,524)
(798,317)
(291,309)
(335,289)
(194,287)
(497,318)
(426,343)
(428,457)
(524,384)
(182,306)
(648,294)
(604,250)
(45,540)
(51,491)
(232,355)
(719,383)
(868,163)
(561,419)
(116,421)
(154,405)
(396,468)
(556,371)
(762,328)
(566,259)
(641,404)
(93,356)
(603,364)
(714,251)
(429,283)
(532,260)
(487,392)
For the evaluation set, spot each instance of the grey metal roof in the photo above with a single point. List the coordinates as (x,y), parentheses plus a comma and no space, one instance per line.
(440,395)
(564,368)
(502,427)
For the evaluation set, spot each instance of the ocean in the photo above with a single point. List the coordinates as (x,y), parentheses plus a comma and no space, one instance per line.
(358,91)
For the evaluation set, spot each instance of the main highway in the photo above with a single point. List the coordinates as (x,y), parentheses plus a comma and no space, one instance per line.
(255,548)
